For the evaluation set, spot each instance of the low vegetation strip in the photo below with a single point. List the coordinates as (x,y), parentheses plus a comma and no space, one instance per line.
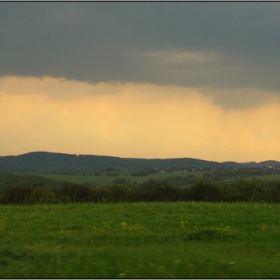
(140,240)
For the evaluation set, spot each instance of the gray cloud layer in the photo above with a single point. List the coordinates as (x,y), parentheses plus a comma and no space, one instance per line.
(220,45)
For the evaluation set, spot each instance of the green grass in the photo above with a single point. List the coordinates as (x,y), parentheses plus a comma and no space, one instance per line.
(80,179)
(271,177)
(140,240)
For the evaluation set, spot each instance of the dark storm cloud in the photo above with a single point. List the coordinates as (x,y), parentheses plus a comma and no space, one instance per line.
(221,45)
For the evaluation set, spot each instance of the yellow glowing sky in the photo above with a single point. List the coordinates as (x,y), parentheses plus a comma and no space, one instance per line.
(133,120)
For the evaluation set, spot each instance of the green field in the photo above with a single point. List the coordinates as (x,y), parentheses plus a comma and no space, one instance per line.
(272,177)
(105,180)
(140,240)
(108,180)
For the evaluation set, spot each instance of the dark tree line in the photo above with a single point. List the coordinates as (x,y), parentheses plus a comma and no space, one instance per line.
(153,190)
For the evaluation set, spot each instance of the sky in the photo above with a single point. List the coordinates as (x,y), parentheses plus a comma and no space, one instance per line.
(141,79)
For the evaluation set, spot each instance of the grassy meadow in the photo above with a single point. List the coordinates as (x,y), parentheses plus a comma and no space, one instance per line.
(107,180)
(140,240)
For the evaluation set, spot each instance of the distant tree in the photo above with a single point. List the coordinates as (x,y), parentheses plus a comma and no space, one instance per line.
(243,190)
(205,191)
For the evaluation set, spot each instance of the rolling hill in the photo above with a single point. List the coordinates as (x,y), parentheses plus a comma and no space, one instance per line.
(48,162)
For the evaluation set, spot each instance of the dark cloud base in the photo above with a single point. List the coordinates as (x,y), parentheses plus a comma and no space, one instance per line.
(94,42)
